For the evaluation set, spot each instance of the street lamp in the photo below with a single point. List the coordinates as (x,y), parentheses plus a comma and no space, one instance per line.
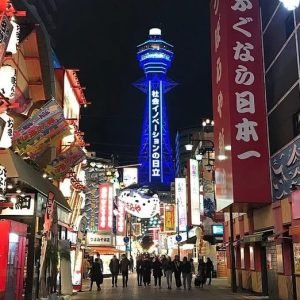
(290,4)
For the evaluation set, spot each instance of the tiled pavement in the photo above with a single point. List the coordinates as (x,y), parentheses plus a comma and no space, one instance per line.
(219,290)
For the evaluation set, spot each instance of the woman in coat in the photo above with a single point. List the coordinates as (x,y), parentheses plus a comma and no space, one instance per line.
(157,271)
(96,274)
(201,272)
(146,270)
(169,268)
(186,269)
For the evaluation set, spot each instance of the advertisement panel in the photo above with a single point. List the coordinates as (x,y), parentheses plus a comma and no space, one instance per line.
(239,104)
(130,176)
(194,193)
(169,218)
(181,201)
(105,207)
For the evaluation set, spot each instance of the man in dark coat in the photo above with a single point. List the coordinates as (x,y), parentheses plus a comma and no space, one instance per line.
(114,268)
(157,271)
(139,262)
(96,274)
(146,270)
(177,271)
(124,266)
(209,270)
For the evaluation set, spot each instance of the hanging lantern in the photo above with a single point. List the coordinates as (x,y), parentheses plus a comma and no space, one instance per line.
(6,130)
(14,38)
(8,81)
(3,5)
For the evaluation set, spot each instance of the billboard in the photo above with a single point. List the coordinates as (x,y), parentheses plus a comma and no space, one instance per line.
(181,201)
(169,218)
(130,176)
(194,193)
(105,217)
(240,129)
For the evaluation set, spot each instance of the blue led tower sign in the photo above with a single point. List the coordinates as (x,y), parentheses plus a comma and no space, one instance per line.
(155,57)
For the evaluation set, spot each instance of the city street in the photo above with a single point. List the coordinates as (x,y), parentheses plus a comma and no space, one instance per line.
(219,290)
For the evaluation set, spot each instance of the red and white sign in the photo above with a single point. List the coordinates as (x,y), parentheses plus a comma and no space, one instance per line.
(105,216)
(121,218)
(242,156)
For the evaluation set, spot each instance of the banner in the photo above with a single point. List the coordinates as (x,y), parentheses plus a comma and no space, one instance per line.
(5,33)
(34,135)
(65,161)
(169,218)
(181,201)
(240,121)
(105,207)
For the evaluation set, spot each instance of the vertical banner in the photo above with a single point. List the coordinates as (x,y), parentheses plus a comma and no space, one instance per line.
(105,207)
(155,126)
(194,193)
(239,104)
(5,31)
(181,201)
(121,218)
(169,218)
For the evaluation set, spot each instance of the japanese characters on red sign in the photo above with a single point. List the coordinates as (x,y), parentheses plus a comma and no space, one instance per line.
(239,104)
(105,216)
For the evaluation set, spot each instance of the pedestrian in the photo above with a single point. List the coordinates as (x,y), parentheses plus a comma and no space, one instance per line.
(177,271)
(169,267)
(96,274)
(186,269)
(114,267)
(146,270)
(209,270)
(163,261)
(124,266)
(157,271)
(201,272)
(85,267)
(131,264)
(139,272)
(192,266)
(100,262)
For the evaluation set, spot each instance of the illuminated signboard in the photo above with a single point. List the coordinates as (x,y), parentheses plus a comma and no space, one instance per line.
(105,207)
(194,193)
(180,195)
(217,229)
(155,55)
(130,176)
(6,130)
(155,93)
(23,205)
(121,217)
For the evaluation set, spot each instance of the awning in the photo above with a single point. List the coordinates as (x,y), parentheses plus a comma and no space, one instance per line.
(17,168)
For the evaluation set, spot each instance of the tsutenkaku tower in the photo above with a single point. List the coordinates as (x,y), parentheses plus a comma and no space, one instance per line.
(155,57)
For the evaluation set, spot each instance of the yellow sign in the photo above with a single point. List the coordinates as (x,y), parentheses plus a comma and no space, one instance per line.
(169,220)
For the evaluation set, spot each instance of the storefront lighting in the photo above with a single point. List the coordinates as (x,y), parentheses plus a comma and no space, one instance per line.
(221,157)
(199,156)
(13,200)
(22,195)
(10,186)
(18,191)
(45,175)
(189,147)
(228,147)
(290,4)
(92,164)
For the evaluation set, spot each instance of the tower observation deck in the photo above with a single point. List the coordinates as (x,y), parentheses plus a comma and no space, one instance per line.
(155,57)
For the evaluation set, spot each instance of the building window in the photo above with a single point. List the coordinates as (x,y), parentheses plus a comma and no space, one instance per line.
(297,123)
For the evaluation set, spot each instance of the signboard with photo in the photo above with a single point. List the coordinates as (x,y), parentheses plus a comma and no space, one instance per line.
(23,205)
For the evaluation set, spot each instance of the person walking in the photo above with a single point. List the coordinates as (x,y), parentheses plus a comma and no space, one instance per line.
(131,265)
(100,262)
(186,269)
(96,274)
(85,267)
(157,271)
(201,272)
(146,270)
(139,270)
(209,270)
(169,268)
(114,267)
(124,266)
(163,261)
(177,271)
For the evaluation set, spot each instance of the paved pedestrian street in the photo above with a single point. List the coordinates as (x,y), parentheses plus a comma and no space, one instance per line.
(219,290)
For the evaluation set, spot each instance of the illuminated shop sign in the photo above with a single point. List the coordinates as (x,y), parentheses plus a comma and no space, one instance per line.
(6,130)
(180,195)
(23,205)
(195,210)
(155,125)
(105,207)
(97,239)
(150,55)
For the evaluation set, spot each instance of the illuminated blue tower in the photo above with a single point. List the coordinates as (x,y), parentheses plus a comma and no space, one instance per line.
(155,57)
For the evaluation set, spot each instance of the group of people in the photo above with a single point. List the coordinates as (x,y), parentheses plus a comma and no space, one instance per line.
(183,271)
(160,267)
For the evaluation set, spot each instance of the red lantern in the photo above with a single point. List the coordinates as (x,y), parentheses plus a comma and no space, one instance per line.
(3,5)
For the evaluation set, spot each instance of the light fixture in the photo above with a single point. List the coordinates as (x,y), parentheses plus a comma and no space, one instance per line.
(290,4)
(45,175)
(92,164)
(22,195)
(228,148)
(207,121)
(203,123)
(99,165)
(221,157)
(212,123)
(9,186)
(18,191)
(199,156)
(189,147)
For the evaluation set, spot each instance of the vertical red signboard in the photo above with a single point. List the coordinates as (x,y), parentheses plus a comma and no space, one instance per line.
(242,155)
(105,207)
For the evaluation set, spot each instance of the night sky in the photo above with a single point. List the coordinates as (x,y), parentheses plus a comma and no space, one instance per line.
(99,37)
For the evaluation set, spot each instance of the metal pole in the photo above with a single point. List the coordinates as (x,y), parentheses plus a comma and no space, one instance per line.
(233,274)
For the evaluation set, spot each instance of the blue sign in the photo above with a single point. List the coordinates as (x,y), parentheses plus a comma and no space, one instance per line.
(126,239)
(178,238)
